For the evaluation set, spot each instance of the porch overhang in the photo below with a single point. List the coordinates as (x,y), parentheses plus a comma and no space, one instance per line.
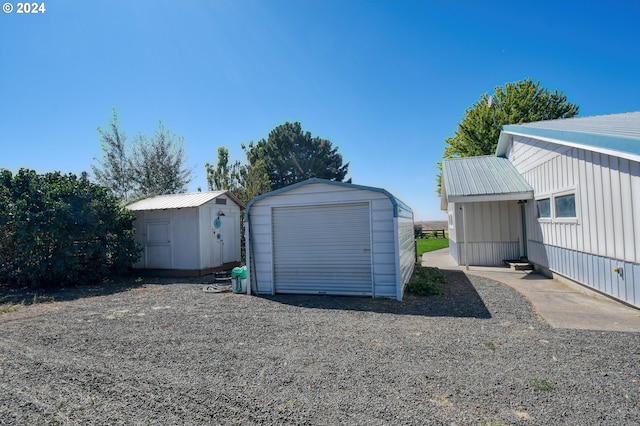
(480,179)
(514,196)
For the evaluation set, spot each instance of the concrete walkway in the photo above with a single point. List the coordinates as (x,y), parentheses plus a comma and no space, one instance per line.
(561,305)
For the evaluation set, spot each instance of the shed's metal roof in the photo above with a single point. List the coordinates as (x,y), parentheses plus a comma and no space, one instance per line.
(617,134)
(399,208)
(179,201)
(484,178)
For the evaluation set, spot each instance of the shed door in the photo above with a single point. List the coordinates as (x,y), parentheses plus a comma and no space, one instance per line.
(322,249)
(158,244)
(228,237)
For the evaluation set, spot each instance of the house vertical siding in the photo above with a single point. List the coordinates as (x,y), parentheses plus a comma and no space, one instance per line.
(607,198)
(493,232)
(606,232)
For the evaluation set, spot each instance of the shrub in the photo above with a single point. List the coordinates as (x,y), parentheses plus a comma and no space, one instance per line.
(59,230)
(426,281)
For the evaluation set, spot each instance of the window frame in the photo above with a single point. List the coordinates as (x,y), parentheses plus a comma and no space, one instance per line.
(538,202)
(552,196)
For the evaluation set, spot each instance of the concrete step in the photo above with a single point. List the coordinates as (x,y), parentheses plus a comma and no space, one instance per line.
(519,265)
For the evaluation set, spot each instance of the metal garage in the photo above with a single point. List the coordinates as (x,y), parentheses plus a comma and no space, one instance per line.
(326,237)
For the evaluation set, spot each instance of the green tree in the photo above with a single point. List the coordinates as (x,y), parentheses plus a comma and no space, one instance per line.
(521,102)
(245,181)
(114,171)
(152,166)
(159,165)
(223,176)
(290,155)
(61,230)
(254,179)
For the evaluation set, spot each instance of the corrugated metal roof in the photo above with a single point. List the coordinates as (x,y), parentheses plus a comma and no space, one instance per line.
(177,201)
(605,133)
(484,178)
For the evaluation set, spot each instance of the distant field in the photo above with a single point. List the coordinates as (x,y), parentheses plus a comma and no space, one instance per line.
(431,244)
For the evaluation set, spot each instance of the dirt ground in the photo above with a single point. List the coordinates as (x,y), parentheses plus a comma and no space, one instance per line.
(163,351)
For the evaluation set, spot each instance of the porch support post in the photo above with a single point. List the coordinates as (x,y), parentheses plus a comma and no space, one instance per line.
(464,233)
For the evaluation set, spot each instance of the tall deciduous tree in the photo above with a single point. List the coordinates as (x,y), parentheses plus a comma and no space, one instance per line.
(152,166)
(254,179)
(159,164)
(243,180)
(521,102)
(115,172)
(223,176)
(291,155)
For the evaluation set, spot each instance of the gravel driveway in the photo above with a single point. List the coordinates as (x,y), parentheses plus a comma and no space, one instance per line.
(161,353)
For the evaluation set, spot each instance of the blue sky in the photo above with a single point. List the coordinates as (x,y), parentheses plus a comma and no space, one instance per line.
(385,81)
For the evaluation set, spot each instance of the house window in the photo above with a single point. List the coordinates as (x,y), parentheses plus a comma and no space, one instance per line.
(544,207)
(558,207)
(221,201)
(565,205)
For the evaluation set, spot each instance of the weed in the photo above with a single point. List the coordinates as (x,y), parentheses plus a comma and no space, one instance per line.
(41,299)
(7,306)
(490,345)
(542,385)
(426,281)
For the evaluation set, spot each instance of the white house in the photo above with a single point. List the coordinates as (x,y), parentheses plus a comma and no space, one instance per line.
(564,194)
(188,234)
(327,237)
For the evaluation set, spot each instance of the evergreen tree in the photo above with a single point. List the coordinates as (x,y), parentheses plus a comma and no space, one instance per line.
(291,155)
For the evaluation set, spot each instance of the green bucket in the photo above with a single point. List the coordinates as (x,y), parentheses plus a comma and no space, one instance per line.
(238,279)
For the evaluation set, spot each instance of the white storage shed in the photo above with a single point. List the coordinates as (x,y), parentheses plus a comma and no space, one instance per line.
(188,234)
(326,237)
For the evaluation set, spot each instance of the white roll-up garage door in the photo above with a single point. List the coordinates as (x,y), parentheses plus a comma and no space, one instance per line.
(322,249)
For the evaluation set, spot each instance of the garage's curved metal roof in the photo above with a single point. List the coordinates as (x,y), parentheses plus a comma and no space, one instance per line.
(400,209)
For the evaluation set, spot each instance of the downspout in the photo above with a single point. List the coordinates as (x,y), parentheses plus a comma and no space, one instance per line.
(523,214)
